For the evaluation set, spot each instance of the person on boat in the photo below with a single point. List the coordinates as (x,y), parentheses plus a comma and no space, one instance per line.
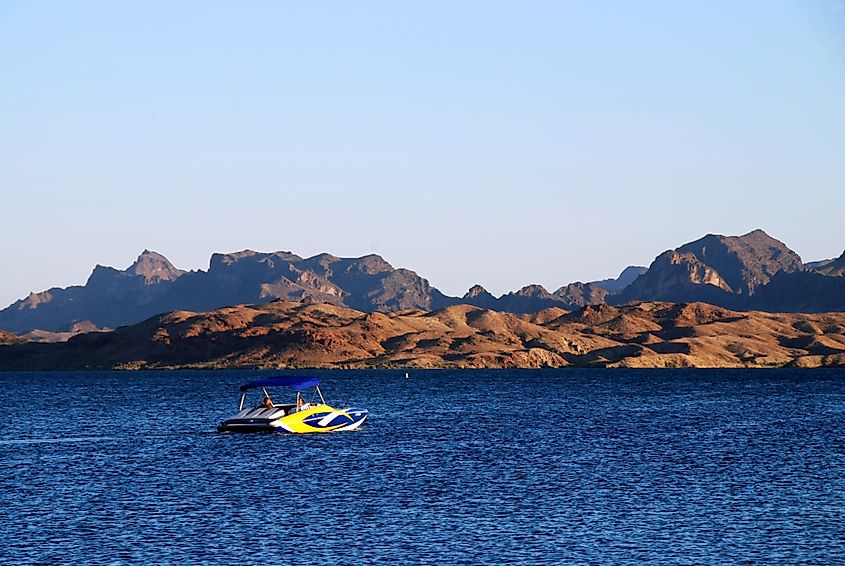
(268,404)
(299,401)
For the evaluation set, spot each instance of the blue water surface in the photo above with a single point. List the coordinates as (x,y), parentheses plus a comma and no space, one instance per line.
(557,466)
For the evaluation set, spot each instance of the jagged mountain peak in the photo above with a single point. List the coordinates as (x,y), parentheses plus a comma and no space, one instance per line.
(744,262)
(223,259)
(112,297)
(720,269)
(533,290)
(371,264)
(323,258)
(477,291)
(154,268)
(580,294)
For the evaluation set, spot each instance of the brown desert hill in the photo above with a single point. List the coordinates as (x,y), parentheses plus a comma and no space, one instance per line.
(9,338)
(295,334)
(546,316)
(64,334)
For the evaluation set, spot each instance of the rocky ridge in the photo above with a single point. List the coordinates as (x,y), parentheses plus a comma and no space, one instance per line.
(749,272)
(284,334)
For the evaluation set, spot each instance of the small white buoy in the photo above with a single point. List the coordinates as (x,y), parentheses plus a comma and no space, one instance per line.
(407,376)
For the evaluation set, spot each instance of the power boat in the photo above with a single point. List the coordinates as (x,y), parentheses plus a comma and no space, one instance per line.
(301,416)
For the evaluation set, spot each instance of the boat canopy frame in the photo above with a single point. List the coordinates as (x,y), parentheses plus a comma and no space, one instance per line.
(295,382)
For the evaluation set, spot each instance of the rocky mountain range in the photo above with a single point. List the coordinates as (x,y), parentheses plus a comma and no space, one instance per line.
(152,285)
(749,272)
(284,334)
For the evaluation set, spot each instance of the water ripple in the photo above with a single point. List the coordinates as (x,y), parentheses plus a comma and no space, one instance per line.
(512,467)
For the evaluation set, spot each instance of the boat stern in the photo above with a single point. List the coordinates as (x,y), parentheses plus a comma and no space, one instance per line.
(253,420)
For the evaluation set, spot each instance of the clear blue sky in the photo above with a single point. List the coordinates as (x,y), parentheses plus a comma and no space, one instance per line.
(493,143)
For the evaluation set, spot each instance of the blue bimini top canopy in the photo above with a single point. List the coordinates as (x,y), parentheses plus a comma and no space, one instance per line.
(295,382)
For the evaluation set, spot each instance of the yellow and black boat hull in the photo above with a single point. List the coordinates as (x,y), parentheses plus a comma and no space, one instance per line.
(319,418)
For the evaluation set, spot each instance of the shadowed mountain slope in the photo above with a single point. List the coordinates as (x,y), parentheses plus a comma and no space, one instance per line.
(151,285)
(616,286)
(831,267)
(744,262)
(731,271)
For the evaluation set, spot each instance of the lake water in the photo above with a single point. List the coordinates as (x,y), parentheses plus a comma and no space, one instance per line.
(563,466)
